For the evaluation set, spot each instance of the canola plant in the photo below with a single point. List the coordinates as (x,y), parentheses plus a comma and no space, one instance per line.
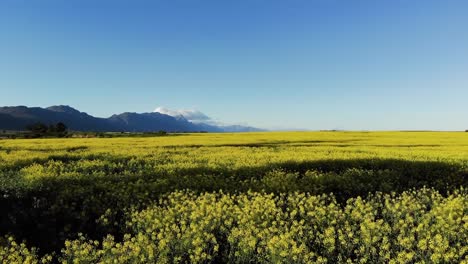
(297,197)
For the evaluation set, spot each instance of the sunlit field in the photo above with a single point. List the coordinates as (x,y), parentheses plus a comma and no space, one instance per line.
(295,197)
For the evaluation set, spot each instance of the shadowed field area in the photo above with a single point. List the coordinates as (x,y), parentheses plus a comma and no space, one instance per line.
(57,190)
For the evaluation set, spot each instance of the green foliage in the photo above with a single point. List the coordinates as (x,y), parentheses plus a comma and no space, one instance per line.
(60,127)
(39,130)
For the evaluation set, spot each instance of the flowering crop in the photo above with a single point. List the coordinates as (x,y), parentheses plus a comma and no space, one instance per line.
(248,197)
(414,227)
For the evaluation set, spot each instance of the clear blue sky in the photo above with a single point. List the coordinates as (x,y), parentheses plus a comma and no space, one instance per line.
(316,64)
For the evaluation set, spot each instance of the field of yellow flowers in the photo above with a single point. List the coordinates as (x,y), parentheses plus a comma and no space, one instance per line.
(296,197)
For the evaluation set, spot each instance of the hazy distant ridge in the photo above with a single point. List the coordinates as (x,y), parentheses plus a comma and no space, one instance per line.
(18,117)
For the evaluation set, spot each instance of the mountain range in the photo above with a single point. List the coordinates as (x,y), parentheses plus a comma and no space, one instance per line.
(19,117)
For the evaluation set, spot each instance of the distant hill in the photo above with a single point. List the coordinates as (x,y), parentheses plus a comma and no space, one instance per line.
(19,117)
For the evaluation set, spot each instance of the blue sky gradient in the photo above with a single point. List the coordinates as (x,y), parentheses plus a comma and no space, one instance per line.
(315,64)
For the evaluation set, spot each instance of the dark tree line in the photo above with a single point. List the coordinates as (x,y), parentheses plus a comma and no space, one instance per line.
(40,129)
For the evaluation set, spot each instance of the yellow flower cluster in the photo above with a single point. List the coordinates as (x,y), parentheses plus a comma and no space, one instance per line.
(18,253)
(40,158)
(414,227)
(88,185)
